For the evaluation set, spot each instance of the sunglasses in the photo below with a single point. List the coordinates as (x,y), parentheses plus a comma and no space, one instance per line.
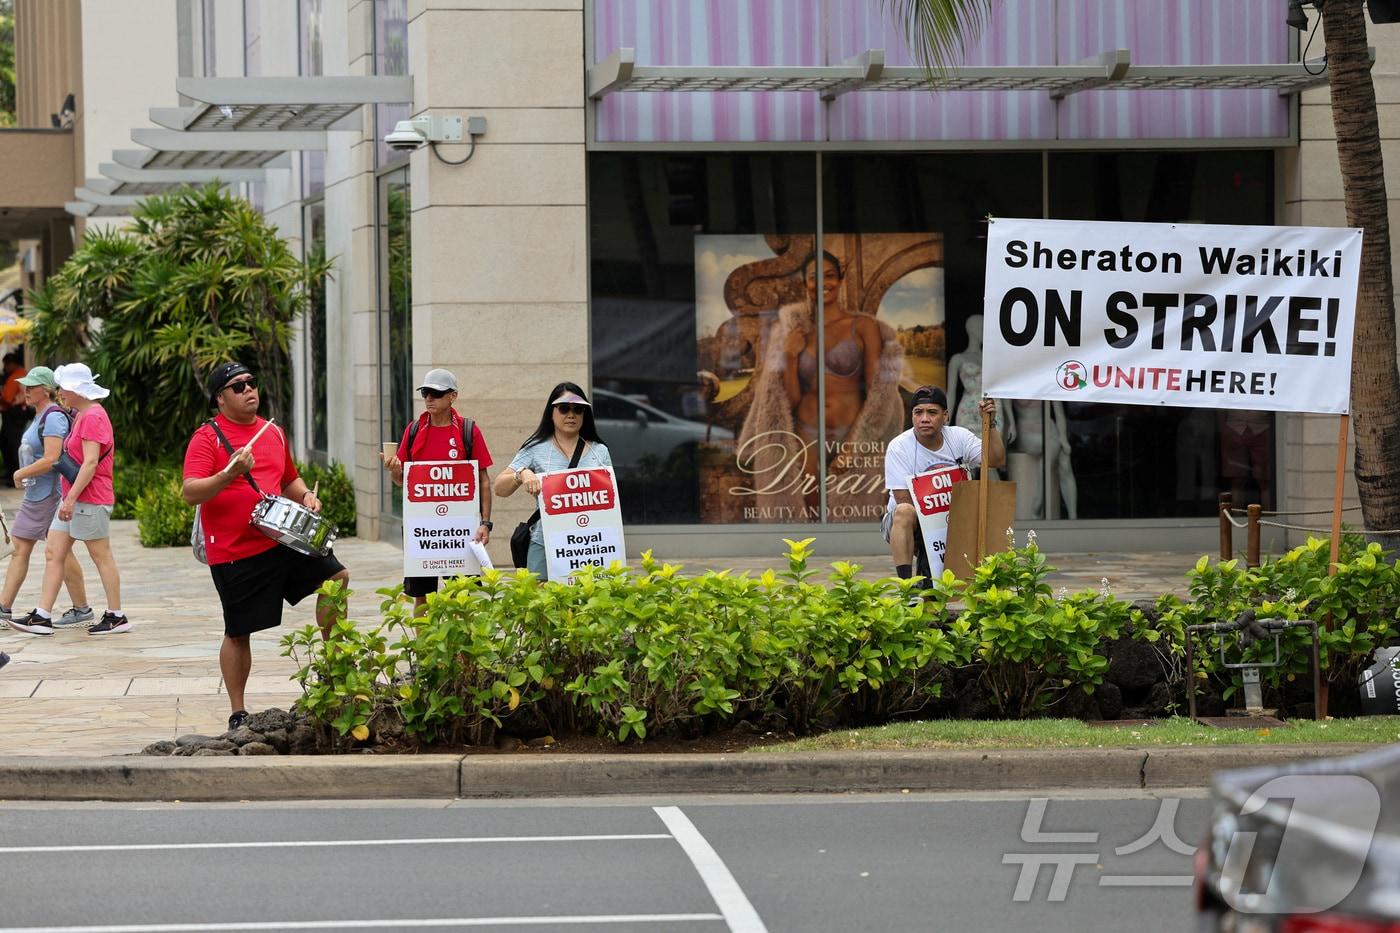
(571,409)
(431,393)
(238,388)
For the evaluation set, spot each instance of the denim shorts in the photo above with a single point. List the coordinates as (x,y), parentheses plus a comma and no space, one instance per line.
(89,522)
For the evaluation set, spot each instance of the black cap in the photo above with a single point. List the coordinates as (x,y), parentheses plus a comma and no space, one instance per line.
(925,395)
(220,377)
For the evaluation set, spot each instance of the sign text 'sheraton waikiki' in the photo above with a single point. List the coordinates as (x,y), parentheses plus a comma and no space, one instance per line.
(1171,314)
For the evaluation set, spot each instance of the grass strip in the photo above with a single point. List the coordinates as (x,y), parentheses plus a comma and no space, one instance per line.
(1071,733)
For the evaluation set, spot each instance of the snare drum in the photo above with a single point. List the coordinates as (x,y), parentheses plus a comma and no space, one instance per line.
(296,526)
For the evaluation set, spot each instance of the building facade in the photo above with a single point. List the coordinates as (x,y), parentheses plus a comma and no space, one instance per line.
(655,176)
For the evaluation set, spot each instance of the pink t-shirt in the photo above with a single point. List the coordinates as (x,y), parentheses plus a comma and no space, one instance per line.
(93,425)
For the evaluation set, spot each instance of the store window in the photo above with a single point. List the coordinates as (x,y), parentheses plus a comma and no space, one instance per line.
(396,327)
(673,362)
(1132,461)
(315,360)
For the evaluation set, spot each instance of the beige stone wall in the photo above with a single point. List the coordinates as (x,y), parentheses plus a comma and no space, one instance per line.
(1311,195)
(500,244)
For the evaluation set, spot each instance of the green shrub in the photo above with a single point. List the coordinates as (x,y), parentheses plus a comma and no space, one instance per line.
(133,478)
(163,519)
(336,491)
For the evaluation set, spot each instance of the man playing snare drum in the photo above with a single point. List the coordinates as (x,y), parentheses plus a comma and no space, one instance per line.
(252,573)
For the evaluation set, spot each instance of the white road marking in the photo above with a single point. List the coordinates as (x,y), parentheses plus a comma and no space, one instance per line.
(580,920)
(324,843)
(729,897)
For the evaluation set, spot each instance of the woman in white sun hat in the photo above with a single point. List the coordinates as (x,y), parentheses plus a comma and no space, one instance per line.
(85,512)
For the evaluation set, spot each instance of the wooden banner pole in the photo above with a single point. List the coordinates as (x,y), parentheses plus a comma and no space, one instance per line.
(982,481)
(1338,486)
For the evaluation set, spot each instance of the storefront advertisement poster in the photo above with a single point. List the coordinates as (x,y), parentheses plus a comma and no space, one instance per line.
(933,497)
(441,512)
(1190,315)
(756,340)
(581,520)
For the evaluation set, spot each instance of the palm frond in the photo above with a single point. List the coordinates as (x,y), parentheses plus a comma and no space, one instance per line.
(938,30)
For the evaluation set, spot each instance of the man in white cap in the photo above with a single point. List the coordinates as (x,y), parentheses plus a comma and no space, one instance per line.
(440,433)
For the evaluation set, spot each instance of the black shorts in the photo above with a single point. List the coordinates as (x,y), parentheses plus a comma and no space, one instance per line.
(419,586)
(252,589)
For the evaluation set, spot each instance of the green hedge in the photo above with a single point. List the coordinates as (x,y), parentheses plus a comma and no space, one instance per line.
(336,491)
(636,653)
(162,517)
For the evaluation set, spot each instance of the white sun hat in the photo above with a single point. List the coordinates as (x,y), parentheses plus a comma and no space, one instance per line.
(78,378)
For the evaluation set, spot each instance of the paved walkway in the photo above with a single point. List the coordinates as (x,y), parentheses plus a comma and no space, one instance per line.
(74,694)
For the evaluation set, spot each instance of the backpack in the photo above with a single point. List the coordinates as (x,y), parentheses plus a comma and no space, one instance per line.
(467,434)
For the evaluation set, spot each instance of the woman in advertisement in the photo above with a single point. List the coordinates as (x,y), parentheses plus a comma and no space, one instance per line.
(863,362)
(567,421)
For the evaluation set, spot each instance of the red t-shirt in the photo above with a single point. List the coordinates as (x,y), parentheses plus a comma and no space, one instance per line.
(228,534)
(444,443)
(93,424)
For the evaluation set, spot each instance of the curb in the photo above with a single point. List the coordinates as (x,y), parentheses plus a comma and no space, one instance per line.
(132,779)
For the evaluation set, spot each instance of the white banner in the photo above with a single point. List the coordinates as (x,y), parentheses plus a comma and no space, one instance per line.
(933,497)
(441,512)
(1194,315)
(581,520)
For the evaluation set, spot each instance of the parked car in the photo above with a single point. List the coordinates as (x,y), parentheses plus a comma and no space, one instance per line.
(1309,847)
(633,430)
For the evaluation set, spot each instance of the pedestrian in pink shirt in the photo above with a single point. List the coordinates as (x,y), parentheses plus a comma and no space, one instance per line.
(86,509)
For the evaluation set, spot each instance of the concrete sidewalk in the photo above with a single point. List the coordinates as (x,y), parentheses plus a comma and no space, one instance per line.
(71,694)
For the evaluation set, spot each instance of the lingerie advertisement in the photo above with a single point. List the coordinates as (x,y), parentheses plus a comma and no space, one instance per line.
(757,345)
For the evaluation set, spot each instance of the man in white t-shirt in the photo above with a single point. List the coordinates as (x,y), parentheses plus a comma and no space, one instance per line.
(931,442)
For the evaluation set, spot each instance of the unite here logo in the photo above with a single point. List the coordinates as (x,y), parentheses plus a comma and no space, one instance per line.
(578,491)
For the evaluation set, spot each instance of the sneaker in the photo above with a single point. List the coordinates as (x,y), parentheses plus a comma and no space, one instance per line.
(237,719)
(33,624)
(4,614)
(75,616)
(4,659)
(110,625)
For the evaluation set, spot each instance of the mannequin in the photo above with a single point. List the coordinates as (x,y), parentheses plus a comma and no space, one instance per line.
(965,387)
(1026,460)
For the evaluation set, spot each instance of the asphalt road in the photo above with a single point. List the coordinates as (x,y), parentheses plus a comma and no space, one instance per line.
(868,863)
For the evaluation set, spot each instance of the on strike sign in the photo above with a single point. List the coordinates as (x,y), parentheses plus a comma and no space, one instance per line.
(441,512)
(1194,315)
(933,496)
(581,520)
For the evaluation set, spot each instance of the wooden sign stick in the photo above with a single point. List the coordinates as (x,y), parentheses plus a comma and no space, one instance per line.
(982,490)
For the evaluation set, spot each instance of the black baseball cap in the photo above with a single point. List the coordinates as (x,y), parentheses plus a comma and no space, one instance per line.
(220,377)
(928,395)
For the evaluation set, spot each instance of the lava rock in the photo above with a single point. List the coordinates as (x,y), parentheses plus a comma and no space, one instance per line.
(1110,700)
(270,720)
(243,735)
(257,748)
(302,741)
(1133,664)
(193,739)
(278,740)
(160,748)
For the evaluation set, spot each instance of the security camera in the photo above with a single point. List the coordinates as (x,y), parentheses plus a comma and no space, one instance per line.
(409,135)
(405,137)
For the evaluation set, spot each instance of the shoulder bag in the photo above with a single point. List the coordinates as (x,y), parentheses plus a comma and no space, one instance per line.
(520,538)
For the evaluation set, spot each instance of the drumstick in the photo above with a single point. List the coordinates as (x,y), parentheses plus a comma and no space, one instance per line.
(249,445)
(315,489)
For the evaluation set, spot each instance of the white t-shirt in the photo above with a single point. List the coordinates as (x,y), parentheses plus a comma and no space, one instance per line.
(906,458)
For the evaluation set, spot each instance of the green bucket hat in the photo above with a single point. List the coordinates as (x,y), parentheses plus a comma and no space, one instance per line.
(40,376)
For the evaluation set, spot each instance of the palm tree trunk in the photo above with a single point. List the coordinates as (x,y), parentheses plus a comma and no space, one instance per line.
(1375,381)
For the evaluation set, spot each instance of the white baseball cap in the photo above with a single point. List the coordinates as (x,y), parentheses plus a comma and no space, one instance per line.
(439,380)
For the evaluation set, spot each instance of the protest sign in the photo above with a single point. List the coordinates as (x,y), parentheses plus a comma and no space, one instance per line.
(581,520)
(933,496)
(441,512)
(1193,315)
